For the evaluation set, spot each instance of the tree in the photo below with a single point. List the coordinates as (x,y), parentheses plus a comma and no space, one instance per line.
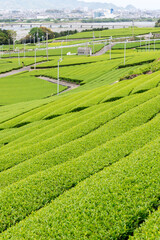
(49,31)
(6,36)
(38,33)
(157,23)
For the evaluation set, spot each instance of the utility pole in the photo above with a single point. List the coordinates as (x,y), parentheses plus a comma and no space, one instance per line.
(18,57)
(24,49)
(37,35)
(42,40)
(35,58)
(149,44)
(146,46)
(133,28)
(2,49)
(13,44)
(67,36)
(47,45)
(9,42)
(125,53)
(60,60)
(93,42)
(110,47)
(61,50)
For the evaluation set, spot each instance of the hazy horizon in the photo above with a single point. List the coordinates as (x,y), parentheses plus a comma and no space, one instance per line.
(153,5)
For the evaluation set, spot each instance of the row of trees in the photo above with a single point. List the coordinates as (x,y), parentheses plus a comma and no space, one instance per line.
(7,36)
(106,20)
(157,23)
(38,33)
(41,33)
(35,35)
(95,29)
(65,33)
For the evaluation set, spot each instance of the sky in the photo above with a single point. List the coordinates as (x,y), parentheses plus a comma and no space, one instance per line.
(143,4)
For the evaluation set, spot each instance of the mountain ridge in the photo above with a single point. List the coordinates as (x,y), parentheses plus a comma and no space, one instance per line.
(53,4)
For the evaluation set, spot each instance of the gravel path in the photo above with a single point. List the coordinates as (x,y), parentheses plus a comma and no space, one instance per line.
(70,85)
(27,68)
(103,50)
(15,71)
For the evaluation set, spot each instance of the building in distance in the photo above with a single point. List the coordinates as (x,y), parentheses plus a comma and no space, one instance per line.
(85,51)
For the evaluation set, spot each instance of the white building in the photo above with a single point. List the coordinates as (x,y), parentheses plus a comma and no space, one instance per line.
(85,51)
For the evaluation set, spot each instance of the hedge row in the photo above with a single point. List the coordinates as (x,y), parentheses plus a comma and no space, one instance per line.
(111,203)
(76,148)
(42,131)
(150,229)
(151,82)
(50,128)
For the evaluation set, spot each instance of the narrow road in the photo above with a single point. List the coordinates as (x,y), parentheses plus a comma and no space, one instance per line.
(70,85)
(103,50)
(15,71)
(27,68)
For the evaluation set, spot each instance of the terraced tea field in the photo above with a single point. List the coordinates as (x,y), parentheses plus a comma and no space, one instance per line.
(41,51)
(83,164)
(113,32)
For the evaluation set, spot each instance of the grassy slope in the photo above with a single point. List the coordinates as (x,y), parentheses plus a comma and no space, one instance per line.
(85,158)
(113,32)
(20,89)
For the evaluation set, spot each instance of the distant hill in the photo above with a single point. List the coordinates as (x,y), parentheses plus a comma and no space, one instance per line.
(52,4)
(130,7)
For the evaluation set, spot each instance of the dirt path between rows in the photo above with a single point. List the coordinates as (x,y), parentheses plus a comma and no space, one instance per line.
(70,85)
(12,72)
(103,50)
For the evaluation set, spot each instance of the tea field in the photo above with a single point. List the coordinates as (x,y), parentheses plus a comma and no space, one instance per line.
(130,31)
(82,164)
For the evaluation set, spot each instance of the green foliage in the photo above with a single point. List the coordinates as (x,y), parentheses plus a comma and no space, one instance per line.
(83,73)
(64,33)
(150,229)
(6,36)
(157,24)
(83,164)
(141,58)
(101,20)
(37,89)
(134,45)
(6,65)
(76,209)
(114,33)
(25,88)
(134,117)
(144,69)
(39,33)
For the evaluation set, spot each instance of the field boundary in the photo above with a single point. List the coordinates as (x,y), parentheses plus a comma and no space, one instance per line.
(19,70)
(69,85)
